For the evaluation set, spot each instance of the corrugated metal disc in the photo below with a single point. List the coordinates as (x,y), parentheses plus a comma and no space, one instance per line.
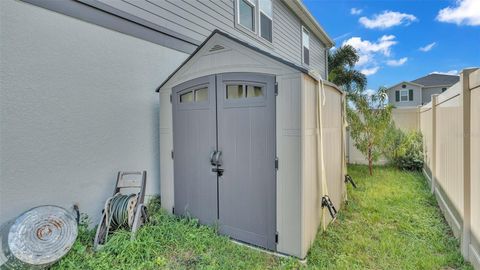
(42,235)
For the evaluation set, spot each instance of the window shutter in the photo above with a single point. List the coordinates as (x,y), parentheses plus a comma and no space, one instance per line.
(410,94)
(306,56)
(397,96)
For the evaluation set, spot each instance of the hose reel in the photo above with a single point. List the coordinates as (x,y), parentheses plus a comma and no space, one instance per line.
(125,209)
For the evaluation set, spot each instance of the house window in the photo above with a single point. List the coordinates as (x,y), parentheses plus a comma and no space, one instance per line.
(265,7)
(404,86)
(305,46)
(404,95)
(246,11)
(256,16)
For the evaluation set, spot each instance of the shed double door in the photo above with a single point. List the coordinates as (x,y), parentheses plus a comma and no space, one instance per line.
(224,154)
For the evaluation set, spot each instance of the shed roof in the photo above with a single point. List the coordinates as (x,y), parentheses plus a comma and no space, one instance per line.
(436,79)
(218,32)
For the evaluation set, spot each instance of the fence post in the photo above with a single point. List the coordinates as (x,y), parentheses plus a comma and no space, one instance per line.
(466,103)
(434,140)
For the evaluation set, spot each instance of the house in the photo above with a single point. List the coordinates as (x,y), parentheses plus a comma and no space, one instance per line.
(78,104)
(419,91)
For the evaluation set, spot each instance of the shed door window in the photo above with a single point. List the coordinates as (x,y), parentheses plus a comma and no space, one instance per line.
(404,95)
(197,95)
(246,10)
(305,46)
(237,91)
(187,97)
(265,7)
(201,94)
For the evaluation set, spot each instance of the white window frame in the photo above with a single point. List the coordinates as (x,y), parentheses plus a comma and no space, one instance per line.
(303,57)
(401,94)
(260,21)
(256,17)
(255,7)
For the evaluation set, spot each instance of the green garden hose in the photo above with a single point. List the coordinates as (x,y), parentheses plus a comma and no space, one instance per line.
(119,211)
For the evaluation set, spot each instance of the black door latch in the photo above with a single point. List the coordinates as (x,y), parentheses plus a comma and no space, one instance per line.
(326,202)
(219,171)
(348,178)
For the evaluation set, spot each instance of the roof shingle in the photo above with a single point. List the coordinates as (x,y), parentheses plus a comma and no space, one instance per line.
(435,79)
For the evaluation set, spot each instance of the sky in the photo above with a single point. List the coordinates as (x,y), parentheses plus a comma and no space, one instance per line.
(401,40)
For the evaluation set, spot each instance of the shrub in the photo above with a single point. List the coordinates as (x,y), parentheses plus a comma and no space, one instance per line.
(410,153)
(404,150)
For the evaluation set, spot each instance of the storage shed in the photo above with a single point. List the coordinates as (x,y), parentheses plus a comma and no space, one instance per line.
(240,146)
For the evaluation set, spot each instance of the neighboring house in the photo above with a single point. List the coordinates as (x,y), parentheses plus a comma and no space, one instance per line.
(78,80)
(419,91)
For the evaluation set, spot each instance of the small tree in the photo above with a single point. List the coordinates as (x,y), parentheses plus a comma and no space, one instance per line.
(369,118)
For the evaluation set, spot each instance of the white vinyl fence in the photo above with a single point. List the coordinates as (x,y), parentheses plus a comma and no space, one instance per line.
(450,125)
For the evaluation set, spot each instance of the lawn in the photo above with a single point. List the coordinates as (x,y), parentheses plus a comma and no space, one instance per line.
(390,222)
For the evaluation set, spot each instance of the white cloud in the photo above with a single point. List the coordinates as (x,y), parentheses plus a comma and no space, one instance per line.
(397,63)
(465,12)
(387,19)
(427,47)
(356,11)
(369,52)
(450,72)
(369,71)
(365,47)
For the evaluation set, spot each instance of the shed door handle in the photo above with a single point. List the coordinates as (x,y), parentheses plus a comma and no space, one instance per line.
(218,155)
(212,158)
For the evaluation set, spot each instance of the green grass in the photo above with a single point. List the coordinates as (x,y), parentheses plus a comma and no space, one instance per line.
(390,222)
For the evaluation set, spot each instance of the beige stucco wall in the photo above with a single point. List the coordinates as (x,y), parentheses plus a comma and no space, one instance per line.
(77,104)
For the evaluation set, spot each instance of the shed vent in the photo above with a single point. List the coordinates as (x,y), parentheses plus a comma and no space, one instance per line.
(217,48)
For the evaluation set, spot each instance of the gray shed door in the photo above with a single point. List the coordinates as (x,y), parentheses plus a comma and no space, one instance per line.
(236,123)
(194,138)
